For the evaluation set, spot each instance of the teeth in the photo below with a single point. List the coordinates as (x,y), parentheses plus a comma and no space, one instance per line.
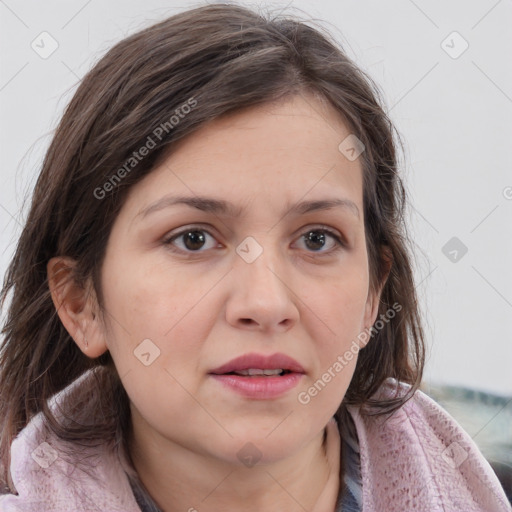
(256,371)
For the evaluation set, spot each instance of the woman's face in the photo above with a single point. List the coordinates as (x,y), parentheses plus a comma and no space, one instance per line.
(238,267)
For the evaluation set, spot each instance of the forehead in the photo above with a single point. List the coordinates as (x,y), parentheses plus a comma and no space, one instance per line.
(272,153)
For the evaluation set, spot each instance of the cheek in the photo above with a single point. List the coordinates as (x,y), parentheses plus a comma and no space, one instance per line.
(156,351)
(335,321)
(157,320)
(340,306)
(145,300)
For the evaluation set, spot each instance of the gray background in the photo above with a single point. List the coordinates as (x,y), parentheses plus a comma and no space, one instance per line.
(453,111)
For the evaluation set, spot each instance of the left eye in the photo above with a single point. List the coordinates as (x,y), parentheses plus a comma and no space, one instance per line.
(194,239)
(314,237)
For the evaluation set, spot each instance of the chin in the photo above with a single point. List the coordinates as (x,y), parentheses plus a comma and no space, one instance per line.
(254,448)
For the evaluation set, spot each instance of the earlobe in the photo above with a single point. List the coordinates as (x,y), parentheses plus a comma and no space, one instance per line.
(75,306)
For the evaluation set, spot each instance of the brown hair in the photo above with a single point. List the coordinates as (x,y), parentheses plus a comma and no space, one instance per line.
(224,57)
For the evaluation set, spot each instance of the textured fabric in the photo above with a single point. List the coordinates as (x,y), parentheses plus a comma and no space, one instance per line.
(419,459)
(144,500)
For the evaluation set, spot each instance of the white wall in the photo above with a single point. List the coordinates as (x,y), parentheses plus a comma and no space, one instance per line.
(455,115)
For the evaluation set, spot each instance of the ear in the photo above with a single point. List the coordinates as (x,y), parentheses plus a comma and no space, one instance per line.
(373,301)
(76,306)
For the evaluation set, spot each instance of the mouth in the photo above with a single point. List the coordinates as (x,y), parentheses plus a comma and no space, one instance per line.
(260,364)
(258,376)
(257,372)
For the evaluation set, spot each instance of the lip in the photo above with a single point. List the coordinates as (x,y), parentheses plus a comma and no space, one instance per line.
(261,388)
(270,362)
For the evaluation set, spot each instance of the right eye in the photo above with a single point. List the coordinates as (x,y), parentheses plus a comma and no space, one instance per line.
(193,239)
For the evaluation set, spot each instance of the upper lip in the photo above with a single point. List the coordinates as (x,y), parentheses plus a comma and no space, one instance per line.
(259,361)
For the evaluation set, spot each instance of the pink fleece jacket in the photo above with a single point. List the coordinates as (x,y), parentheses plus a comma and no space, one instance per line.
(419,459)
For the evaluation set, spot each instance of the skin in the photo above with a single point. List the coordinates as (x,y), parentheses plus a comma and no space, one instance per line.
(203,308)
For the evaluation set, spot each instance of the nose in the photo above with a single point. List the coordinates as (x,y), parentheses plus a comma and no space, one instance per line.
(262,297)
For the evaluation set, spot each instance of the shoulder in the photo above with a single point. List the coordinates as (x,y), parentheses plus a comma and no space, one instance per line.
(420,458)
(51,475)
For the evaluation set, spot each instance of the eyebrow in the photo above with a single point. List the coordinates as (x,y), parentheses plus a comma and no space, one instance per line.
(222,207)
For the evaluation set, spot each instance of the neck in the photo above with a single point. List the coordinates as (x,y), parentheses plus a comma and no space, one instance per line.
(179,479)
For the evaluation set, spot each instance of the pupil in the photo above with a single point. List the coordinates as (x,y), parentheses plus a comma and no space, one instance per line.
(197,238)
(312,237)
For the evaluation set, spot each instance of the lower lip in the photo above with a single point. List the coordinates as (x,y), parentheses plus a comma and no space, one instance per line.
(262,388)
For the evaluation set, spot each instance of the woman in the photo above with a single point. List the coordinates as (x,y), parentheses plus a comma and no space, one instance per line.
(212,299)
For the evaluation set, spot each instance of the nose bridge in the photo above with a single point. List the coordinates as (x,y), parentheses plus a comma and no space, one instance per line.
(259,263)
(260,291)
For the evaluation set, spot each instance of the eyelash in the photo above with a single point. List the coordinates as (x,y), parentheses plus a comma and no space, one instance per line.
(340,244)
